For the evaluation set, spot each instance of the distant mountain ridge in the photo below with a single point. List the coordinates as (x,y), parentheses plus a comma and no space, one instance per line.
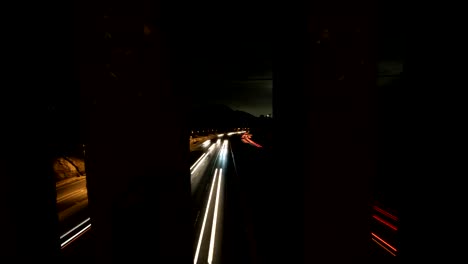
(219,116)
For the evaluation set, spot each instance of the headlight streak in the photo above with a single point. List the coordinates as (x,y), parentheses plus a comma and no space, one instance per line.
(212,233)
(206,143)
(196,162)
(223,151)
(196,167)
(200,160)
(64,244)
(73,229)
(204,219)
(215,219)
(192,168)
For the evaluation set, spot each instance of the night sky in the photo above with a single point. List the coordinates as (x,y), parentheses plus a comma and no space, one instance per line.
(391,37)
(231,52)
(240,78)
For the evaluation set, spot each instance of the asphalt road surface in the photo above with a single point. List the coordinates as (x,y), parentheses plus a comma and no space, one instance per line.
(208,177)
(228,211)
(71,197)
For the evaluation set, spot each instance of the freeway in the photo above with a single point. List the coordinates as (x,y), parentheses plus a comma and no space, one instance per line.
(228,210)
(72,207)
(71,197)
(207,184)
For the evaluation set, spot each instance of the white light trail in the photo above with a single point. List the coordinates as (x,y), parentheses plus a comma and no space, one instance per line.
(76,235)
(204,219)
(215,218)
(223,151)
(199,159)
(211,148)
(73,229)
(207,143)
(196,167)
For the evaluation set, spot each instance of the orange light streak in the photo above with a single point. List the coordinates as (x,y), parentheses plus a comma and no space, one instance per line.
(383,241)
(382,246)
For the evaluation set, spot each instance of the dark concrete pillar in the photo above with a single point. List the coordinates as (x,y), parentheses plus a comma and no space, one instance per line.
(325,95)
(341,90)
(136,137)
(27,198)
(34,127)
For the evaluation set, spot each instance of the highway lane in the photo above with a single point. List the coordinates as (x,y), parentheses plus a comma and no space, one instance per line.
(208,203)
(72,194)
(72,204)
(72,199)
(205,163)
(211,158)
(249,227)
(208,178)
